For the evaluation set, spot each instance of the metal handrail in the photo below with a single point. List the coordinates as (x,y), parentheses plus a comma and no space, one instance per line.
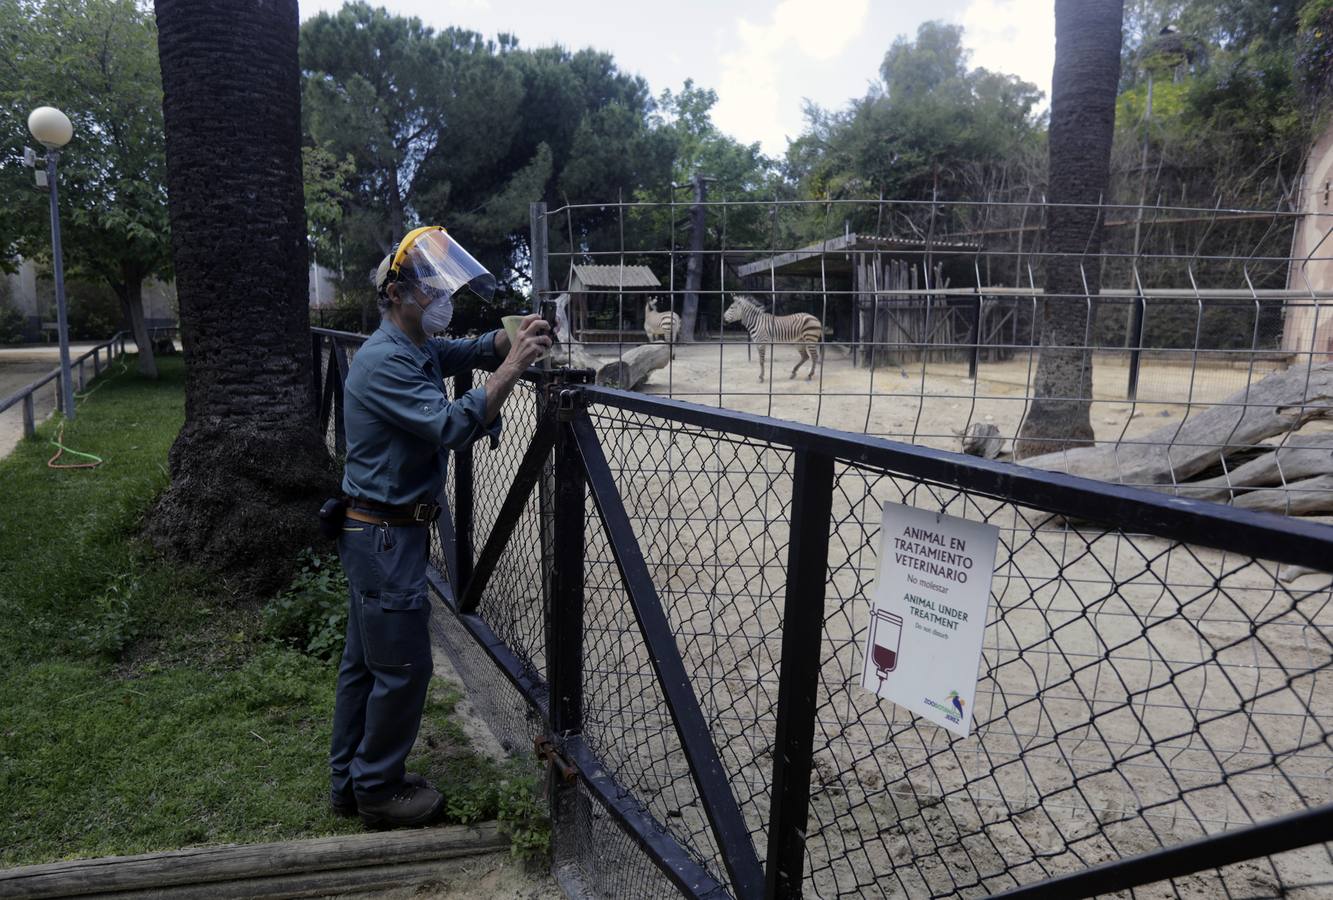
(24,394)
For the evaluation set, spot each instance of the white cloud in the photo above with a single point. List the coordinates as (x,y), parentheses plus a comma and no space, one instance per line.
(1013,36)
(750,99)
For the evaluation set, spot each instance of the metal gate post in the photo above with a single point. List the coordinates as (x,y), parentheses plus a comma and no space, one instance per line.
(564,613)
(798,681)
(463,498)
(538,234)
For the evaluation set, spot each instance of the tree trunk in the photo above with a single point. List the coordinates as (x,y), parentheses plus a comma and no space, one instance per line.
(130,291)
(1083,93)
(694,272)
(249,469)
(634,366)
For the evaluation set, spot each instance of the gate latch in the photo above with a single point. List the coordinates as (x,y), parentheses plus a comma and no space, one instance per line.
(546,751)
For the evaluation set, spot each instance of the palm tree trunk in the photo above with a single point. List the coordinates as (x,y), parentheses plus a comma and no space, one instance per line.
(1083,92)
(248,470)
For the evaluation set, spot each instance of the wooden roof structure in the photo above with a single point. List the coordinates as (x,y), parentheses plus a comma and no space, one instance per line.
(833,257)
(604,278)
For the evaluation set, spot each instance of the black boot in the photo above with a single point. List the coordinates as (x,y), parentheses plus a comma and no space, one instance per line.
(411,804)
(344,804)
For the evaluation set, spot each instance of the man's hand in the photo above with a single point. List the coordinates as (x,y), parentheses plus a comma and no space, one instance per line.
(533,339)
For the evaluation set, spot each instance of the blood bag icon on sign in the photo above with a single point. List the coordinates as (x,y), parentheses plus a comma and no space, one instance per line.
(886,633)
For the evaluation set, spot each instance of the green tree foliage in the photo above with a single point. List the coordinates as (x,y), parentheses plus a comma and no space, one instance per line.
(97,61)
(452,128)
(930,127)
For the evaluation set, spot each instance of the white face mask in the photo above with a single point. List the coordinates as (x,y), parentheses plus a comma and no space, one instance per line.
(436,317)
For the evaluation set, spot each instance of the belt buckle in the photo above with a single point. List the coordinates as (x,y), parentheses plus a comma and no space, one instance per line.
(419,512)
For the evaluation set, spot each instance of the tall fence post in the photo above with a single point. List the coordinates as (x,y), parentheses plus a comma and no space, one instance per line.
(798,681)
(463,497)
(564,613)
(537,245)
(338,356)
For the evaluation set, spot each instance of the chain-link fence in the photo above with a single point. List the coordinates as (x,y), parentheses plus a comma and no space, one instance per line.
(1154,671)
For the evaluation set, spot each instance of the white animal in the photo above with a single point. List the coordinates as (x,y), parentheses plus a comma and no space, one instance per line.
(665,325)
(801,329)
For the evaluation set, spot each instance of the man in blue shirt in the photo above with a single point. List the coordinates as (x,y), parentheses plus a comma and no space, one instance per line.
(400,426)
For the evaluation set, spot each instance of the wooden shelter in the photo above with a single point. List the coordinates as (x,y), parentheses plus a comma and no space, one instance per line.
(892,299)
(607,301)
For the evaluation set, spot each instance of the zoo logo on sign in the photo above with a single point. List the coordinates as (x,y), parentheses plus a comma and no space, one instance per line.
(953,712)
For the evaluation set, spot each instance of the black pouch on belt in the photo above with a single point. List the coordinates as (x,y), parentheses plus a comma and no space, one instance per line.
(331,517)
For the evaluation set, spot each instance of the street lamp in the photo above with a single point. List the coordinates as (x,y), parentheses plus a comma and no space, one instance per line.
(52,128)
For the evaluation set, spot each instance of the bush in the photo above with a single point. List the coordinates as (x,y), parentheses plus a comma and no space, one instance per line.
(111,624)
(11,324)
(311,615)
(94,311)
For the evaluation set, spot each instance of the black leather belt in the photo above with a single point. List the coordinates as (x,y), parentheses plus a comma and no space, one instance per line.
(408,514)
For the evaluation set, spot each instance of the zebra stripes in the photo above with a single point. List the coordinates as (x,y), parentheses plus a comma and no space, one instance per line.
(801,329)
(665,325)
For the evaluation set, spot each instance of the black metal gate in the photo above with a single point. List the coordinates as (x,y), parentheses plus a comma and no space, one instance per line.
(676,597)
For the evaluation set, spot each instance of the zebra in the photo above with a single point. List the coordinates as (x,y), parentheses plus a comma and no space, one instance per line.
(665,325)
(801,329)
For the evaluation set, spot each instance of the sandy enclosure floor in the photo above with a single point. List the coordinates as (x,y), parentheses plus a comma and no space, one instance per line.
(1134,692)
(929,403)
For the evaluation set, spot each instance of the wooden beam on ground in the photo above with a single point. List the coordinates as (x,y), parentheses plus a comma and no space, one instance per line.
(304,868)
(633,368)
(1282,402)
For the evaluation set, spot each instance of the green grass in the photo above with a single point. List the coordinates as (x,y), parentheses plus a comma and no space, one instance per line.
(140,707)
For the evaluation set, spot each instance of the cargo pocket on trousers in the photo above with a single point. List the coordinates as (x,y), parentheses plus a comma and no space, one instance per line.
(395,630)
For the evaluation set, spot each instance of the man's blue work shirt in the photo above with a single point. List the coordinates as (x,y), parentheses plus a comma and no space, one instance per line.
(400,422)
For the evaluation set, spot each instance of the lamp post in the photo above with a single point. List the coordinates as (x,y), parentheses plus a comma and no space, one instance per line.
(53,130)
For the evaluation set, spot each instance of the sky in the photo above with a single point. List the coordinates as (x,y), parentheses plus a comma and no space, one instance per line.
(763,57)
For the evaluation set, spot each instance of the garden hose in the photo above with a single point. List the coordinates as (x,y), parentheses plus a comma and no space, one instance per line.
(58,443)
(62,449)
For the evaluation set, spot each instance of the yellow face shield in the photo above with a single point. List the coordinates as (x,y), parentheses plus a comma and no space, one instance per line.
(431,259)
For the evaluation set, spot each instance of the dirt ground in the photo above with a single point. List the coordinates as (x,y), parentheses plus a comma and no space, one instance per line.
(1133,693)
(930,403)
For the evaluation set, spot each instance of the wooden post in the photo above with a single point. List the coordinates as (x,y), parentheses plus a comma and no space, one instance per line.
(29,420)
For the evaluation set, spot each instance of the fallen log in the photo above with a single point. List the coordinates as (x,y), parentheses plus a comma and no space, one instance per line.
(1301,456)
(1288,573)
(1300,498)
(634,367)
(1172,454)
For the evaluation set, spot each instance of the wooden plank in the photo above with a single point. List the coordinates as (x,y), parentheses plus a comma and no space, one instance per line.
(370,879)
(208,865)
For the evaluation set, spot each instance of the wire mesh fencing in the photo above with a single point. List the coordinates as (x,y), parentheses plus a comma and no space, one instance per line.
(931,322)
(1135,691)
